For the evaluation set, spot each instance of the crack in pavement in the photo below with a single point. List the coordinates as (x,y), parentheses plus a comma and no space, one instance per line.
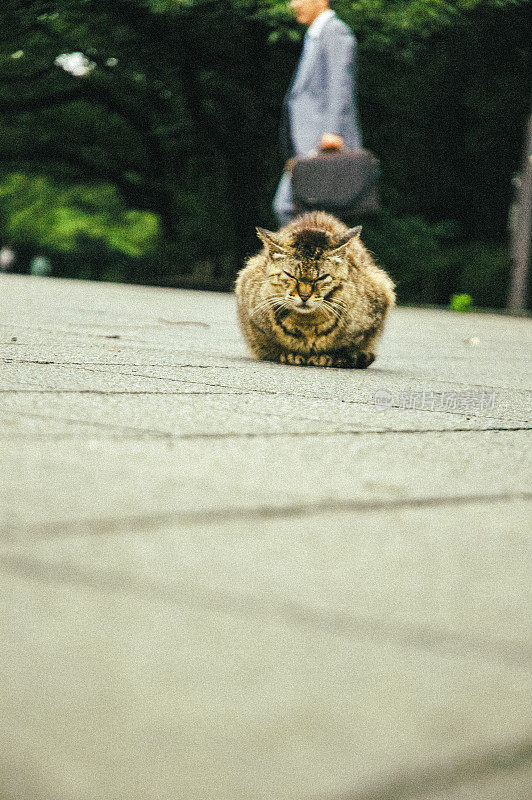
(121,391)
(241,362)
(110,364)
(176,437)
(276,392)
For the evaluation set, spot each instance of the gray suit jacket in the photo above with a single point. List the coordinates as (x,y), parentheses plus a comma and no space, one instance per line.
(322,97)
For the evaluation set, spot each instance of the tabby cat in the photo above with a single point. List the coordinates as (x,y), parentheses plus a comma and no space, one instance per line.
(313,295)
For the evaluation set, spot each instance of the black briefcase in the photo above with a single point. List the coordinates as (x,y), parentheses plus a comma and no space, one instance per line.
(343,182)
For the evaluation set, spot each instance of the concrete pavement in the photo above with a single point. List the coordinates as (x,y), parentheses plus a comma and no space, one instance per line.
(233,580)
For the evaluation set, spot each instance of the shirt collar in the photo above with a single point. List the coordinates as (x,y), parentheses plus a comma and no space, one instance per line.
(317,26)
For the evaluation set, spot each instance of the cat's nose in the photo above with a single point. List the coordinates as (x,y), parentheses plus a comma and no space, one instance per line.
(304,290)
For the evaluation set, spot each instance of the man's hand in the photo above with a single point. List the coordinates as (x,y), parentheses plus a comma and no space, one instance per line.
(330,141)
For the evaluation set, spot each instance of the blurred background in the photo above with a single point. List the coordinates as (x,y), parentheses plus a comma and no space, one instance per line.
(139,137)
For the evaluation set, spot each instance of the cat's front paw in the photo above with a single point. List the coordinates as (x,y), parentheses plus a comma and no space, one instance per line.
(328,360)
(347,360)
(293,358)
(322,360)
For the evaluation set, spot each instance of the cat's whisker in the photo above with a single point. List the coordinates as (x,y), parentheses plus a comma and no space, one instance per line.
(325,308)
(338,310)
(269,302)
(285,306)
(337,303)
(266,301)
(329,308)
(273,302)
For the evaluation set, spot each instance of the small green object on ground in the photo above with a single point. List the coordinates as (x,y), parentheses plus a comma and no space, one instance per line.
(461,302)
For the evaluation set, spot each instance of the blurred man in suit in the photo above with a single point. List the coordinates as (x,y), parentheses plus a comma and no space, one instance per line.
(319,109)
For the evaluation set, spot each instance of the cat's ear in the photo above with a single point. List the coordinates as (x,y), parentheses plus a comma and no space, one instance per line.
(272,243)
(344,240)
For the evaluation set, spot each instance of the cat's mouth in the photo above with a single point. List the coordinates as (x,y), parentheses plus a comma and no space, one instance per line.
(305,307)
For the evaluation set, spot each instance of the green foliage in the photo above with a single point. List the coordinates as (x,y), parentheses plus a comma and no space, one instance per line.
(39,212)
(461,302)
(170,138)
(430,263)
(483,269)
(415,253)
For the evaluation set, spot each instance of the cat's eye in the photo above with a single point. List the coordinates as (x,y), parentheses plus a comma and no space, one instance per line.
(322,277)
(289,274)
